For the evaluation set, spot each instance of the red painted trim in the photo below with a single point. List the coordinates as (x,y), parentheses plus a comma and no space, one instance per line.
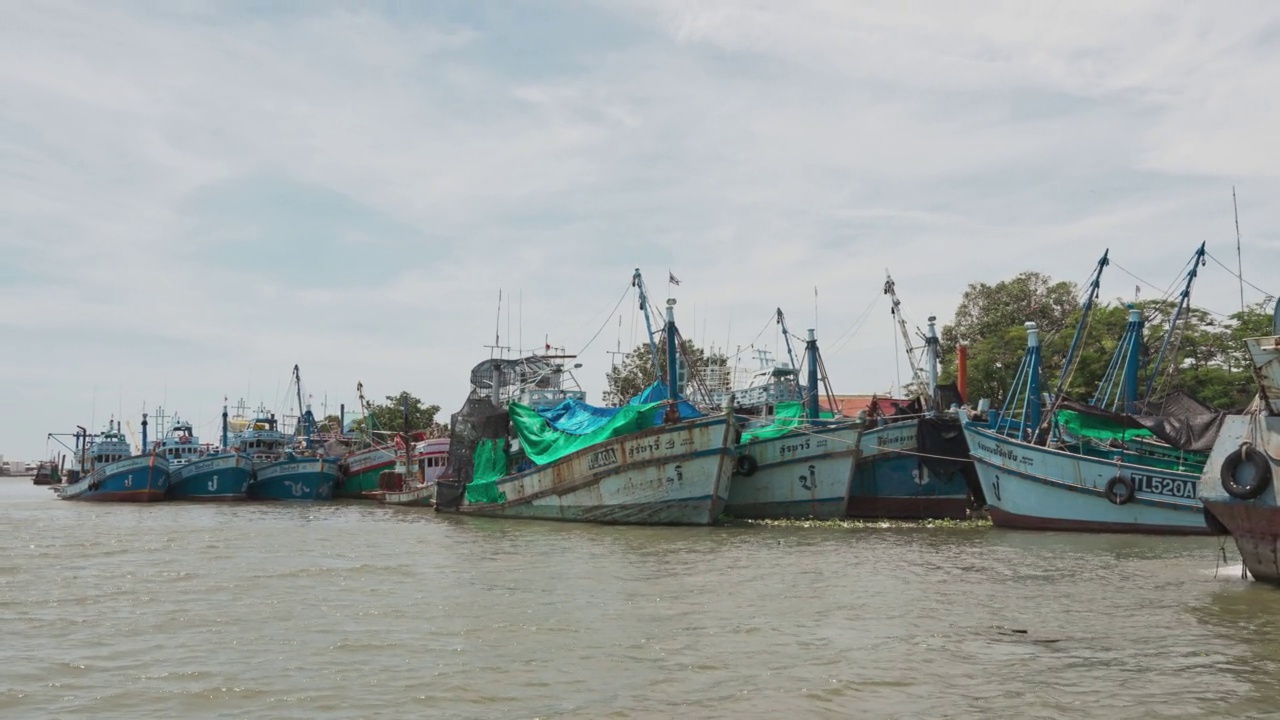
(1003,519)
(123,496)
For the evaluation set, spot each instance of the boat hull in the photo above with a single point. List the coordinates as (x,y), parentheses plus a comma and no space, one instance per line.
(295,479)
(891,481)
(361,470)
(218,477)
(136,479)
(670,475)
(798,475)
(1253,524)
(416,497)
(1035,488)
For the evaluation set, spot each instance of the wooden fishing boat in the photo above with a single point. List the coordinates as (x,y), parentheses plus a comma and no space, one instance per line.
(114,474)
(644,463)
(797,465)
(1238,485)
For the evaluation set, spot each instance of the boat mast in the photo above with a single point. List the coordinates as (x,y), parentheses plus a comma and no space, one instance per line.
(638,282)
(672,364)
(811,352)
(1091,295)
(786,335)
(917,374)
(1184,301)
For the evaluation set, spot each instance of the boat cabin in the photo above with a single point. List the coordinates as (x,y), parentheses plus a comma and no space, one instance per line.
(111,446)
(180,445)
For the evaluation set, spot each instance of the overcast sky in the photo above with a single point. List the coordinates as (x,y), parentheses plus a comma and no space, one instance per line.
(192,201)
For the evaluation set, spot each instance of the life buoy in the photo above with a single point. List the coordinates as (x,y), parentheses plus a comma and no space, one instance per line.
(747,465)
(1119,490)
(1261,473)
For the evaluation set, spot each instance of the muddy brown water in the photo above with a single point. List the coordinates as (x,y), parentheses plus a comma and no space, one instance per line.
(349,610)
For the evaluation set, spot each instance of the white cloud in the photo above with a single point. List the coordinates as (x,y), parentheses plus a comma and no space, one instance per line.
(195,201)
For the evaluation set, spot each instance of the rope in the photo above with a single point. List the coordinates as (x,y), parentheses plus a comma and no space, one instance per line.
(606,320)
(1238,277)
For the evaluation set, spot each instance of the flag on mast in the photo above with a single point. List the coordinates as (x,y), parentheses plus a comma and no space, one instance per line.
(671,278)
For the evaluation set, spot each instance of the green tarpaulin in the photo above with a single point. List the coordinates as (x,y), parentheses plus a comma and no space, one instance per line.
(543,444)
(787,417)
(1097,428)
(489,465)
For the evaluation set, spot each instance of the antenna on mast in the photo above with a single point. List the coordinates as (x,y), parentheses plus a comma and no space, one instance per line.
(1239,263)
(497,345)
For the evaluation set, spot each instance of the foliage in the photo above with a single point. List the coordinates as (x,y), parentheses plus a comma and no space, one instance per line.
(635,373)
(991,318)
(1206,357)
(389,417)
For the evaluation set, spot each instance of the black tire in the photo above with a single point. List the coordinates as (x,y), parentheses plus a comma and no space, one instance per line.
(747,465)
(1215,525)
(1119,490)
(1261,474)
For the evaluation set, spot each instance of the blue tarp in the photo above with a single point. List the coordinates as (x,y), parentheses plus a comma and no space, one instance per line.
(578,418)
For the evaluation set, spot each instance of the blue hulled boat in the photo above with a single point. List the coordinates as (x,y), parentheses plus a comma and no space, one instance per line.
(112,473)
(1098,466)
(203,473)
(281,472)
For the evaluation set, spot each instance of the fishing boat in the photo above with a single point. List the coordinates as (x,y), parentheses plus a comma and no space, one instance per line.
(913,462)
(798,465)
(112,473)
(1089,468)
(643,463)
(285,465)
(1237,487)
(280,470)
(362,467)
(47,473)
(416,472)
(199,472)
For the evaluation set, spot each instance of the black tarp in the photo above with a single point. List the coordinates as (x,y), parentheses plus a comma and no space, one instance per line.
(1188,424)
(477,420)
(948,395)
(945,452)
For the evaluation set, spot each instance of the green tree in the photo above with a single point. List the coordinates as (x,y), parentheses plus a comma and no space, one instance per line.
(991,318)
(635,372)
(389,417)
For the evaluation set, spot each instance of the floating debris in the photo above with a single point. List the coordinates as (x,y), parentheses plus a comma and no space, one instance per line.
(861,524)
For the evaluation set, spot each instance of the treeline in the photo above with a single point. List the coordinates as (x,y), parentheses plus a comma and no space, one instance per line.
(1206,359)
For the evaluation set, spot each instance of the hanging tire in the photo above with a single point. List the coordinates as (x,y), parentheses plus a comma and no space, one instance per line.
(747,465)
(1119,490)
(1261,474)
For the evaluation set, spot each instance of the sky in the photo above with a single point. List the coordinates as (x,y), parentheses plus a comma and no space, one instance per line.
(195,197)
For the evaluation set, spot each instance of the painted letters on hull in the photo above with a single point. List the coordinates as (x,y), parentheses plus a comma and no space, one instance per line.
(890,481)
(137,479)
(1032,487)
(798,475)
(670,475)
(219,477)
(361,470)
(296,479)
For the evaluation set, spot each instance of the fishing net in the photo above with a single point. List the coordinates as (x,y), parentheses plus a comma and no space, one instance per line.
(489,466)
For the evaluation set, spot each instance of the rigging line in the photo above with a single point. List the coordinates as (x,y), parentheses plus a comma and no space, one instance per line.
(1164,294)
(1234,275)
(606,320)
(848,335)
